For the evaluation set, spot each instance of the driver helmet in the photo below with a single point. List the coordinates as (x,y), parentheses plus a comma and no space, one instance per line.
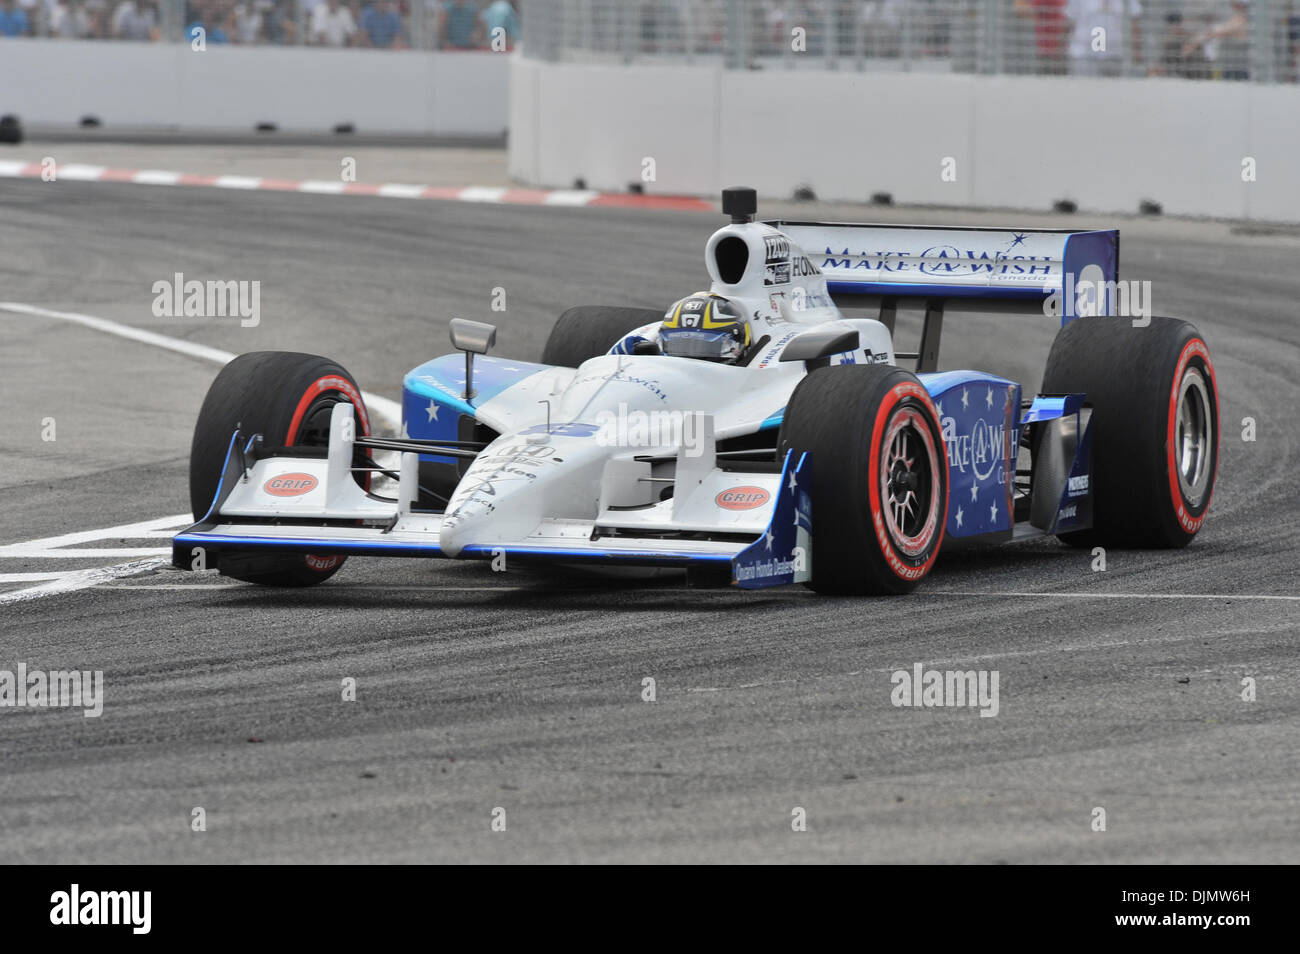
(705,326)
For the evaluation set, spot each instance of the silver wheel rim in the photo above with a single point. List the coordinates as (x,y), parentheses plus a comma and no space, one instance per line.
(909,483)
(1194,437)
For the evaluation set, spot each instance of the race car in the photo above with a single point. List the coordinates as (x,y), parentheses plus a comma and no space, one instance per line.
(761,432)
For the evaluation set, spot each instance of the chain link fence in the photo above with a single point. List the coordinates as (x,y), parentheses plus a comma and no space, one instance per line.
(1196,39)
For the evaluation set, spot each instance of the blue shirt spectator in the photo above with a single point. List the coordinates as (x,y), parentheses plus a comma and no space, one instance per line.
(13,20)
(499,14)
(213,35)
(381,24)
(460,24)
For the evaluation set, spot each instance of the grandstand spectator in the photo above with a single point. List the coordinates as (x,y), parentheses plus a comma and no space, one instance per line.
(1097,46)
(247,21)
(135,20)
(882,22)
(97,19)
(69,20)
(500,15)
(1226,43)
(211,20)
(460,25)
(1050,29)
(13,19)
(331,24)
(381,26)
(279,21)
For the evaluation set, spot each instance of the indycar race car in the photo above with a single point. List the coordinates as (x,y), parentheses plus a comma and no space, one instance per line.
(762,432)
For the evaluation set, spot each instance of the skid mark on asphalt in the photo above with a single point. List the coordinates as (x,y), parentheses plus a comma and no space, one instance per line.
(75,580)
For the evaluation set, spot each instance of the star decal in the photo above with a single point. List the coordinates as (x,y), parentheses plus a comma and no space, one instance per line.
(993,512)
(770,537)
(406,435)
(940,407)
(959,518)
(974,491)
(990,398)
(432,410)
(1017,238)
(965,399)
(793,481)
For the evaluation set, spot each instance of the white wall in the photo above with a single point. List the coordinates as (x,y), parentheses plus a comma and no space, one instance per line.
(1019,142)
(56,82)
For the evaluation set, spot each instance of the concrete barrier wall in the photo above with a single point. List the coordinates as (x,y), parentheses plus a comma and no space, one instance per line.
(1017,142)
(56,82)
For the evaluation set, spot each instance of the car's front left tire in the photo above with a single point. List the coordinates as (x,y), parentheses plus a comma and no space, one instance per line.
(288,398)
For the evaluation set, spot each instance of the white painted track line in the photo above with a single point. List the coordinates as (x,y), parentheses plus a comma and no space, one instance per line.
(387,410)
(1013,594)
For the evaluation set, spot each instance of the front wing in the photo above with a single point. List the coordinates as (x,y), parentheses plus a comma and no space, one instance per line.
(280,505)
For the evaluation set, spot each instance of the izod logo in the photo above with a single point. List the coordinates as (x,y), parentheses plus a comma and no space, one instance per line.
(741,498)
(290,485)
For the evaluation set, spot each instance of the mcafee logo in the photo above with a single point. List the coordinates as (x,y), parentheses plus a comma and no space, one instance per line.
(290,485)
(741,498)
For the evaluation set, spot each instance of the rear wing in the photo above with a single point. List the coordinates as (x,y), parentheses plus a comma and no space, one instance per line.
(1065,272)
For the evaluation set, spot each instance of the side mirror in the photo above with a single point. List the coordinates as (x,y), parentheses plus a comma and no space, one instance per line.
(816,347)
(472,337)
(476,337)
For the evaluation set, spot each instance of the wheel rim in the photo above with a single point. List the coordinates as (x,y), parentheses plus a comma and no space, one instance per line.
(909,482)
(1193,436)
(314,431)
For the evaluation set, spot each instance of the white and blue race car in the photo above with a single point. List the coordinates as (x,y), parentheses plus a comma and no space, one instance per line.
(808,453)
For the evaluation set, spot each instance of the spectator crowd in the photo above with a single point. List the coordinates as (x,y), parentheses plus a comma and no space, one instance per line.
(1199,39)
(383,24)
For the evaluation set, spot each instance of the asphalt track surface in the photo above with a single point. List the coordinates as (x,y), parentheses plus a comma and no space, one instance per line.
(522,691)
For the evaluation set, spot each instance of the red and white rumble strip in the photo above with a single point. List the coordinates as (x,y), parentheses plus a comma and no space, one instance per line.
(498,194)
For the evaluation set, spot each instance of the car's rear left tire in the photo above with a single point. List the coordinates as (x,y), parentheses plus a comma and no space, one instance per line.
(879,477)
(591,330)
(288,398)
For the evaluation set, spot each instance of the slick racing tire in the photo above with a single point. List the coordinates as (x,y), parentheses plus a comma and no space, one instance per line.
(1155,426)
(591,330)
(288,398)
(879,477)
